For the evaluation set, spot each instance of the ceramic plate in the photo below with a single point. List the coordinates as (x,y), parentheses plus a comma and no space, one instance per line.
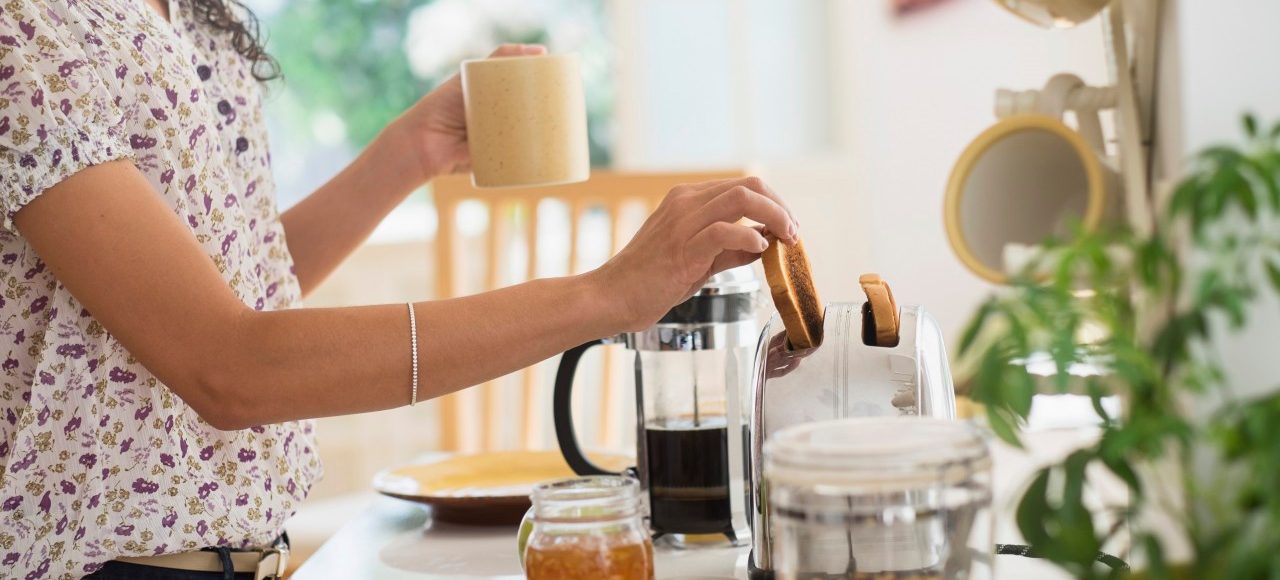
(484,488)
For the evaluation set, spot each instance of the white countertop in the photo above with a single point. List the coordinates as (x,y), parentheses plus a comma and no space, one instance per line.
(395,540)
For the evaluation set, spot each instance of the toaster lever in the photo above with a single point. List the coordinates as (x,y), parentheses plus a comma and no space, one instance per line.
(880,317)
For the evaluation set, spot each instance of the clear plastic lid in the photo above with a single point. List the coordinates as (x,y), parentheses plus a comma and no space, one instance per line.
(876,454)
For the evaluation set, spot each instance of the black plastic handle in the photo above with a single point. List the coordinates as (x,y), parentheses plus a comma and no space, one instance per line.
(562,412)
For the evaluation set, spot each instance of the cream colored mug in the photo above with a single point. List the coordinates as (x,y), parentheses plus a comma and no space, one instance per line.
(526,120)
(1025,179)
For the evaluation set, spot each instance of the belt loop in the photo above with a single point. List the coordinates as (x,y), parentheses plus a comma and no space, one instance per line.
(228,567)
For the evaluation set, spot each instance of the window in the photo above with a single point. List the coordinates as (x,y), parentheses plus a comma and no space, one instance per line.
(351,66)
(707,84)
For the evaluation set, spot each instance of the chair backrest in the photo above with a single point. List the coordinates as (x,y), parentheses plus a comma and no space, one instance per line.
(490,238)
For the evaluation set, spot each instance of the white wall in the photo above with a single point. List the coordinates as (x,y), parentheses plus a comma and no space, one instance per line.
(870,110)
(917,90)
(911,93)
(717,83)
(1227,51)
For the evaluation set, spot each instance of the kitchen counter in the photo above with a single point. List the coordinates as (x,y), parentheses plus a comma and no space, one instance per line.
(396,540)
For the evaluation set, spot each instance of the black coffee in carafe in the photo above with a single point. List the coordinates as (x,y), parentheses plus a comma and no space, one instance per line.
(692,379)
(688,470)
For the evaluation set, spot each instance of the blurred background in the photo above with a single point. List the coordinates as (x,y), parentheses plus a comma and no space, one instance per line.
(854,110)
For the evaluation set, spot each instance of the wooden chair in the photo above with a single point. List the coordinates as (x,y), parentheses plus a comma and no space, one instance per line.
(514,231)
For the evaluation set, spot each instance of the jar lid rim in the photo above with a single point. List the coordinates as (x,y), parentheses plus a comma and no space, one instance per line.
(589,486)
(880,446)
(590,498)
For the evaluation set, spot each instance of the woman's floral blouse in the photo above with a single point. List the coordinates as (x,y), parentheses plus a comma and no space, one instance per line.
(97,458)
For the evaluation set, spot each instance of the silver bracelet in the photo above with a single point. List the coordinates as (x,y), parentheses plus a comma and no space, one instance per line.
(413,345)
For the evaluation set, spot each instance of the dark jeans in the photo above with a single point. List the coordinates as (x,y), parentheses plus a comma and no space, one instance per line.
(126,571)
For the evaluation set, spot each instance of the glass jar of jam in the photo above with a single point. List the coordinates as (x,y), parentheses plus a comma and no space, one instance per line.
(588,528)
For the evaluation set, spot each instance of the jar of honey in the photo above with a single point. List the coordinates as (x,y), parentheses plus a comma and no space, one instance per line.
(588,528)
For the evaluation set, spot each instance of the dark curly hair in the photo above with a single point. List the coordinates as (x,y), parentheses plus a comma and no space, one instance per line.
(241,24)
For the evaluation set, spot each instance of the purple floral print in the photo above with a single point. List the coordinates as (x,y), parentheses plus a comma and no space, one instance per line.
(99,459)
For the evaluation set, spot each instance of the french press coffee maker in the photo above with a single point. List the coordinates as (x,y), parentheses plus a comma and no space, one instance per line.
(692,369)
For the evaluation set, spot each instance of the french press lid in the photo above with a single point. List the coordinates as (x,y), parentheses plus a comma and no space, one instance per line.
(721,314)
(728,296)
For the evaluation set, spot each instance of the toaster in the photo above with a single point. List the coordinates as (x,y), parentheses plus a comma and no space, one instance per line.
(851,373)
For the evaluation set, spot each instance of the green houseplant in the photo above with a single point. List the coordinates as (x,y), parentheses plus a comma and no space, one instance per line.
(1147,309)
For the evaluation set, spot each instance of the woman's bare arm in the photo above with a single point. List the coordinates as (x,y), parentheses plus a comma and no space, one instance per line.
(130,261)
(326,226)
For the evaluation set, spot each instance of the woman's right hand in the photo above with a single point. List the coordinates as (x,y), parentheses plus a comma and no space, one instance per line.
(693,234)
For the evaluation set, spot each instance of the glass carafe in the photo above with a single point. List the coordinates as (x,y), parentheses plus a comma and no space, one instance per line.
(692,370)
(691,418)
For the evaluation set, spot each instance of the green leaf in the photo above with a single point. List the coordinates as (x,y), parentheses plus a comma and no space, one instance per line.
(1122,469)
(1222,155)
(1018,334)
(1003,424)
(1176,428)
(1020,391)
(1171,341)
(1065,351)
(1079,539)
(976,326)
(1230,441)
(1250,125)
(1248,201)
(1224,185)
(1209,286)
(1185,195)
(1233,303)
(1197,324)
(989,377)
(1275,131)
(1064,532)
(1093,386)
(1267,170)
(1033,511)
(1157,568)
(1273,274)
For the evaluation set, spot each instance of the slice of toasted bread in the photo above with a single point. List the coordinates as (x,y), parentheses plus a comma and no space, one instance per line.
(787,270)
(884,309)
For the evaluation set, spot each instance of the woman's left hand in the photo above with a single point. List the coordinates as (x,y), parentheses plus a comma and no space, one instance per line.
(435,128)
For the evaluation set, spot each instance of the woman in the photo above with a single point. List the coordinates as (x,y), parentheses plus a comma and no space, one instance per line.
(159,371)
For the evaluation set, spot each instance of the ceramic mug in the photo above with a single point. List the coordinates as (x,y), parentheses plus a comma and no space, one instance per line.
(1055,13)
(1025,179)
(526,120)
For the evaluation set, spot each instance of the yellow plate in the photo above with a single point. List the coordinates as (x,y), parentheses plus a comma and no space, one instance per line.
(485,488)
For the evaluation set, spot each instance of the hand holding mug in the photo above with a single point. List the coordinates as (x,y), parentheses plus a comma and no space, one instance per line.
(436,126)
